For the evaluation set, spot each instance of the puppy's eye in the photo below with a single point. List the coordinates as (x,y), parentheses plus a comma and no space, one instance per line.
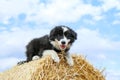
(69,36)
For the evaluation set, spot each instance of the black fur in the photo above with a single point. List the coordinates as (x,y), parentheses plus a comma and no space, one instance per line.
(38,45)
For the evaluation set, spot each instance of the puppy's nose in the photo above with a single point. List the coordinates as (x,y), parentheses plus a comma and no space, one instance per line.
(63,42)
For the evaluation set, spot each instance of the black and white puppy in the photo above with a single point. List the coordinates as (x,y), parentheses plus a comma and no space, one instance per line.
(59,39)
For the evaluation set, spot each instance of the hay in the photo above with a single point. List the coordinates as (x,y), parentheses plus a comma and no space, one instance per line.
(46,69)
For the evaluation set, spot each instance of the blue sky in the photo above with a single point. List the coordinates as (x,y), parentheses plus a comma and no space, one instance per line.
(97,23)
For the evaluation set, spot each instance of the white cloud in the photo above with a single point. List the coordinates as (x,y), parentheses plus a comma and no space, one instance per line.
(107,5)
(3,28)
(117,18)
(12,8)
(101,56)
(15,40)
(65,11)
(91,40)
(116,22)
(98,17)
(7,63)
(112,75)
(117,14)
(54,11)
(51,12)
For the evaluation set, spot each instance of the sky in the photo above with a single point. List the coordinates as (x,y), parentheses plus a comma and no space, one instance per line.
(97,23)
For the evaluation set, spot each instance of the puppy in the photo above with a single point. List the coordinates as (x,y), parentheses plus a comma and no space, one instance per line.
(60,39)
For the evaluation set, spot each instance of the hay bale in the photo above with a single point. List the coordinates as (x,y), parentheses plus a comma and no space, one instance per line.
(46,69)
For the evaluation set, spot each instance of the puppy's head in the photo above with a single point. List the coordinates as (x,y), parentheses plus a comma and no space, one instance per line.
(62,37)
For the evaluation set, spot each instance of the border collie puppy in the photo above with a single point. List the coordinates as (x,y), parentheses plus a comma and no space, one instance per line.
(59,39)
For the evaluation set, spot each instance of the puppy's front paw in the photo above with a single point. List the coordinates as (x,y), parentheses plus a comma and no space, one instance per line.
(53,55)
(35,57)
(56,58)
(70,62)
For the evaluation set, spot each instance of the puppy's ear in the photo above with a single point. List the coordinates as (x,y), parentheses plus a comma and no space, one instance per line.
(74,34)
